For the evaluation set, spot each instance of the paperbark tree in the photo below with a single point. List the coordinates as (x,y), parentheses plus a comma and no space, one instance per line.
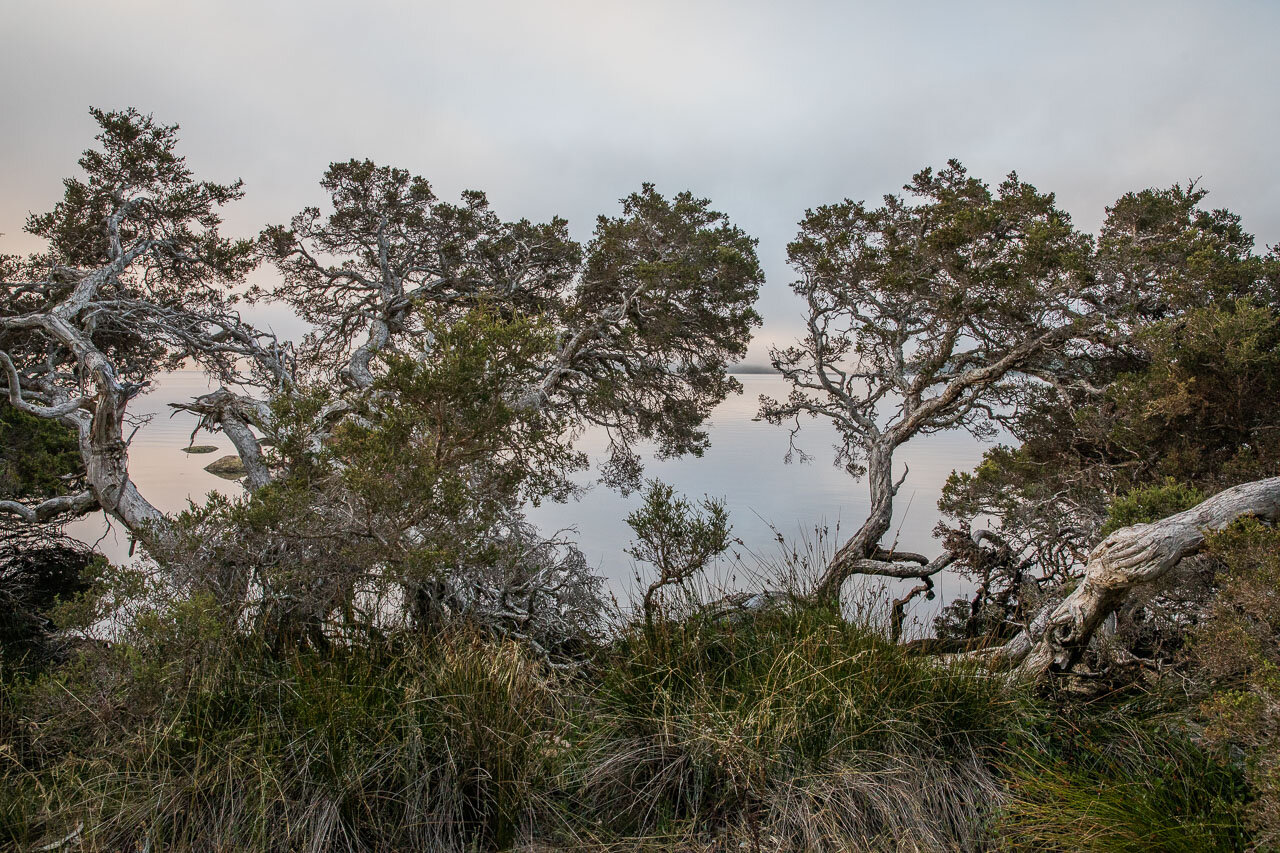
(135,279)
(1184,391)
(633,333)
(923,315)
(647,316)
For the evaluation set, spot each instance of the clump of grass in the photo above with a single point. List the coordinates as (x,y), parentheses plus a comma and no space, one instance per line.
(441,746)
(1126,777)
(791,714)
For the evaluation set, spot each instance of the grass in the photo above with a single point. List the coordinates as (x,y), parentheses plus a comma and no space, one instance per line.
(792,731)
(794,726)
(1126,775)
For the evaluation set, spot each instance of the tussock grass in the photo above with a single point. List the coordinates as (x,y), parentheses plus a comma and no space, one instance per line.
(434,747)
(794,730)
(713,716)
(1124,776)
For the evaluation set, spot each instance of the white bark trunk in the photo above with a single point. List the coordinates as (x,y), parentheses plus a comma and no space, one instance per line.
(1127,558)
(864,544)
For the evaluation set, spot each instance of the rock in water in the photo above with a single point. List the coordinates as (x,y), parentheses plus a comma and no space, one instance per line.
(226,467)
(199,448)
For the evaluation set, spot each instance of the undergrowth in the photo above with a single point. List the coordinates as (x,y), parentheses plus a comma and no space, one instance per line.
(789,731)
(1122,774)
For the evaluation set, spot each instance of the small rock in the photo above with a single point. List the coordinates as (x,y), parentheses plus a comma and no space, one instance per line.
(199,448)
(226,467)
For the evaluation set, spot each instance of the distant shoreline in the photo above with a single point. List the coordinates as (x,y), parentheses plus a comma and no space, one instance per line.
(752,368)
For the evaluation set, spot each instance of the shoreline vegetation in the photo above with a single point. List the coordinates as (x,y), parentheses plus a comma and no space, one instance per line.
(799,731)
(373,648)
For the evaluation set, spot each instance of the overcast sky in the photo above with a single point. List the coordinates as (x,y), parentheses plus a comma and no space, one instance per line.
(767,108)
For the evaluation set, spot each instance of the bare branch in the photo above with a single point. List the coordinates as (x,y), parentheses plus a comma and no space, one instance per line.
(15,396)
(78,504)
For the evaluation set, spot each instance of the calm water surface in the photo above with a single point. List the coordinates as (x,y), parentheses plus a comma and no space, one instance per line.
(744,466)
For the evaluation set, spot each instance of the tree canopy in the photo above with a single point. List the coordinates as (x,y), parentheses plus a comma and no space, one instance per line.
(454,352)
(926,314)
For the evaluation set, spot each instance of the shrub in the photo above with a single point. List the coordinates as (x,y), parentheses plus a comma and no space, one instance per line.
(1237,653)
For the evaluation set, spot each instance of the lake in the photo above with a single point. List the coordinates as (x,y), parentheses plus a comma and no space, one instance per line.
(744,465)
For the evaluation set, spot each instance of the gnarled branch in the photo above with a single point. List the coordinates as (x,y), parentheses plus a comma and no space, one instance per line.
(1129,557)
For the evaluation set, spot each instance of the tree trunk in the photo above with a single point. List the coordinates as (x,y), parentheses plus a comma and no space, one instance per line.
(106,458)
(1127,558)
(866,542)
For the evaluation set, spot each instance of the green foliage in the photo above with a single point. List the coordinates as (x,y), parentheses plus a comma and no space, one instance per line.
(1143,506)
(1182,393)
(645,319)
(1120,779)
(1201,402)
(137,166)
(1236,655)
(684,280)
(676,538)
(40,570)
(1162,253)
(716,716)
(37,456)
(458,432)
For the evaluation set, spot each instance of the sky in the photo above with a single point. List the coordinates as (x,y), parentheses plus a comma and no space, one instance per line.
(562,108)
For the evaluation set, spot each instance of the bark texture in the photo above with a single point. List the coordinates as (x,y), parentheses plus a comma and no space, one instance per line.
(1130,557)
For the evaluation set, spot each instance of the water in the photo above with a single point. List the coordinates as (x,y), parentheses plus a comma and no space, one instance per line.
(744,466)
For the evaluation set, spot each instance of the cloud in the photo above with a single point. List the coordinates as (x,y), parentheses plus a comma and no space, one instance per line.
(562,107)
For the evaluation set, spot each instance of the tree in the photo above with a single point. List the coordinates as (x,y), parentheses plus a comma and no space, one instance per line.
(646,317)
(927,314)
(676,538)
(413,499)
(632,333)
(1177,406)
(135,279)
